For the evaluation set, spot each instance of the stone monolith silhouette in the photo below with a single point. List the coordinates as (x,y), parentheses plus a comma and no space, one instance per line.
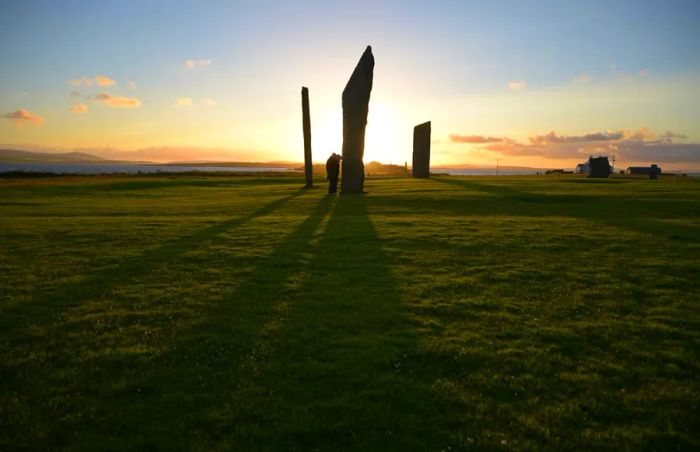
(421,150)
(308,165)
(355,109)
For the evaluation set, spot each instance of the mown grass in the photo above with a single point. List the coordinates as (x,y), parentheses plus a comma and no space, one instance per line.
(189,313)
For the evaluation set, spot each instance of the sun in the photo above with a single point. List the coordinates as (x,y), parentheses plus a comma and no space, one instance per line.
(385,139)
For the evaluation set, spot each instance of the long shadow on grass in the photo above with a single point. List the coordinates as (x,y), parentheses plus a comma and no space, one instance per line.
(512,377)
(626,212)
(342,368)
(188,181)
(187,396)
(46,305)
(129,183)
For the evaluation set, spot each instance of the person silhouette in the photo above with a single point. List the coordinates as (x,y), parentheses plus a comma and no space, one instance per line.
(332,172)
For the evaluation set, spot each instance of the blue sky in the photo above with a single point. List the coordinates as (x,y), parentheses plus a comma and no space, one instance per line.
(514,70)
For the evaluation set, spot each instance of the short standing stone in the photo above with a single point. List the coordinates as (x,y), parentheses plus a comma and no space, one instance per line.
(421,150)
(355,109)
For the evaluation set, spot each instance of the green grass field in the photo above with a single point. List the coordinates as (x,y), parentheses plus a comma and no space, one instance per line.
(535,313)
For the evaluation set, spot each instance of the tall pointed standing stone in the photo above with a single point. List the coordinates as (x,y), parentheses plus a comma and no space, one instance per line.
(421,150)
(355,109)
(308,165)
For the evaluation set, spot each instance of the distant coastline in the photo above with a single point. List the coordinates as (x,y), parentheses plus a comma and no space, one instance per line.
(66,168)
(82,163)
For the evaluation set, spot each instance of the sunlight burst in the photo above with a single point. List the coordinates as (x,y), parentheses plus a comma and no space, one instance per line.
(383,137)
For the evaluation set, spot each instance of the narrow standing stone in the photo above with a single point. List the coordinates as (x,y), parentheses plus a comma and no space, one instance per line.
(355,109)
(421,150)
(308,165)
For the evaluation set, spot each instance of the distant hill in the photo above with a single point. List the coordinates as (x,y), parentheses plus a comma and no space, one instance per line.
(14,156)
(373,168)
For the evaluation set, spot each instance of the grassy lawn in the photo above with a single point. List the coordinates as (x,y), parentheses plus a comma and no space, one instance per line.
(537,313)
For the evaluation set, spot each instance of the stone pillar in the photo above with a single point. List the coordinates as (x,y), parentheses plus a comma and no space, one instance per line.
(355,109)
(308,164)
(421,150)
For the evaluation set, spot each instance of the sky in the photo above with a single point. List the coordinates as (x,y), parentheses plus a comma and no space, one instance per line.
(536,83)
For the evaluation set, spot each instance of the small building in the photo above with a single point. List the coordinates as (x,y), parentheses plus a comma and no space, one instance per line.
(599,167)
(643,170)
(583,168)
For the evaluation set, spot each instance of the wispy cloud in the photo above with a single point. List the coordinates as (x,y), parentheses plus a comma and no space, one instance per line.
(79,108)
(668,135)
(191,64)
(474,139)
(74,94)
(183,102)
(517,85)
(117,101)
(582,78)
(22,116)
(82,81)
(99,80)
(552,137)
(103,80)
(209,102)
(627,77)
(132,84)
(640,145)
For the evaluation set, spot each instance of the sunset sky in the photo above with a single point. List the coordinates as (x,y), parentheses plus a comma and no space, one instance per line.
(534,83)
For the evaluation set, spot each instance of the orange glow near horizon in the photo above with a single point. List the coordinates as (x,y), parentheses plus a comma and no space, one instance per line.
(222,82)
(383,136)
(164,131)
